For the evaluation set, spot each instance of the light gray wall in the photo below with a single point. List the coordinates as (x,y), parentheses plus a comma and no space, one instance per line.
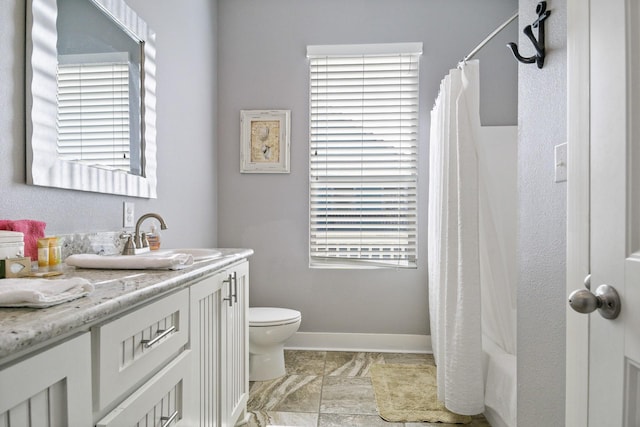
(542,226)
(262,65)
(186,123)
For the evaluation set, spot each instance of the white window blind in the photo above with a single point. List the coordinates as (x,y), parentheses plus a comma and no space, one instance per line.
(363,155)
(93,110)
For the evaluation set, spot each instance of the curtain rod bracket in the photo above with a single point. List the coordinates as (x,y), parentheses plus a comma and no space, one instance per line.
(538,43)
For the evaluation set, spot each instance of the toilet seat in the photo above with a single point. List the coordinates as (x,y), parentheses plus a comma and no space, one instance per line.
(271,316)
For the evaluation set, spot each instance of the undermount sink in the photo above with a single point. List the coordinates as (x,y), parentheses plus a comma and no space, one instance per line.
(198,254)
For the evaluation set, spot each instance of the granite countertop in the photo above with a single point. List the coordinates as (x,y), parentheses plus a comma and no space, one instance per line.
(26,329)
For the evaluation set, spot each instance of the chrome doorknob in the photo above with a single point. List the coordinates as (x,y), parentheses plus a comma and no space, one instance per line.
(583,301)
(606,300)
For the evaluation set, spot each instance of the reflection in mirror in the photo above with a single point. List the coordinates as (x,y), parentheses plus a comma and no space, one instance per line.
(101,135)
(98,89)
(96,122)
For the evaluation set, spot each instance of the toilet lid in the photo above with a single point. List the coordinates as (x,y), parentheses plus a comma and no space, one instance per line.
(269,316)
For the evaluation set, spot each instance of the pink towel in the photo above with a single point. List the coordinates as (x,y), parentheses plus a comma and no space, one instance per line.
(32,229)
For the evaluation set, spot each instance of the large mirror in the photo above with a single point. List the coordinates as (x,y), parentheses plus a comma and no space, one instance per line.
(90,97)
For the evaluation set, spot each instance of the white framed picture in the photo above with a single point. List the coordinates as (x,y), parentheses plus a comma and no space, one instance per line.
(264,141)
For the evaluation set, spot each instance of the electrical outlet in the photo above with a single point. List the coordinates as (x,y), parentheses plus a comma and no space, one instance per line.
(128,214)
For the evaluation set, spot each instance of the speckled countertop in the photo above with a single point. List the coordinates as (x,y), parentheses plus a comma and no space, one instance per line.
(25,329)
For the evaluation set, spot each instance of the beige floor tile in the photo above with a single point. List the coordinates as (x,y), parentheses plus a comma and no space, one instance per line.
(348,364)
(409,358)
(348,395)
(478,421)
(291,393)
(342,420)
(300,362)
(282,419)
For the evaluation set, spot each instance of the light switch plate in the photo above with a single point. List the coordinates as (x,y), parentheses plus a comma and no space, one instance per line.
(560,159)
(128,214)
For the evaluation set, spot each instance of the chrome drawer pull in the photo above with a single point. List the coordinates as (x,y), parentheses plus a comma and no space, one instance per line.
(163,333)
(235,286)
(229,280)
(169,419)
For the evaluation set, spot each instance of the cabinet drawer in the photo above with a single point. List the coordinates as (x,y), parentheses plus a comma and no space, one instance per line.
(161,401)
(134,346)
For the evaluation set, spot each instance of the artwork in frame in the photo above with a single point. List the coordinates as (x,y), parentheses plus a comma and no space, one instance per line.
(264,141)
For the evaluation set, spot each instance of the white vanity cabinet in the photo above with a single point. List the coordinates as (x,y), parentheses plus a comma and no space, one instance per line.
(51,388)
(179,359)
(220,346)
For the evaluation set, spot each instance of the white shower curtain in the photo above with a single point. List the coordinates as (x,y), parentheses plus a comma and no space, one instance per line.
(453,261)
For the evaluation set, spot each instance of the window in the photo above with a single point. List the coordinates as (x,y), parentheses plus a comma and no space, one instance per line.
(93,110)
(363,155)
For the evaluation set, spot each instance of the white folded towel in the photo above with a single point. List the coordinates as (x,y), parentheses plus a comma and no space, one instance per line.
(41,293)
(131,262)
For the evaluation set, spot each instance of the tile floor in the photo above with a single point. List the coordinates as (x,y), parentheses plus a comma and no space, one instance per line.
(328,389)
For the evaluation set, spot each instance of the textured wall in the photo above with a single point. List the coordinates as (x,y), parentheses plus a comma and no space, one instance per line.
(262,65)
(186,123)
(542,226)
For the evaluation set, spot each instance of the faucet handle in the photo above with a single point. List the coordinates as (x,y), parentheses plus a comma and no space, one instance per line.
(144,240)
(129,248)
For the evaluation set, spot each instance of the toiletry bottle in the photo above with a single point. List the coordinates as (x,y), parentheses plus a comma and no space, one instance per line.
(154,239)
(43,254)
(55,254)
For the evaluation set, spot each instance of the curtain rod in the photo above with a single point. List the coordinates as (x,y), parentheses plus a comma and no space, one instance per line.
(489,37)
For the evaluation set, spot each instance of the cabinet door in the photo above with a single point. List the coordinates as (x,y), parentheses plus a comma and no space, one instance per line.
(162,401)
(52,388)
(205,312)
(235,343)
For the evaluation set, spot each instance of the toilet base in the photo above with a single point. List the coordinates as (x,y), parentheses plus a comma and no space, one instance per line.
(267,366)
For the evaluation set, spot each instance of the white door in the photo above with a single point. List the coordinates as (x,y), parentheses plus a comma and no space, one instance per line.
(613,345)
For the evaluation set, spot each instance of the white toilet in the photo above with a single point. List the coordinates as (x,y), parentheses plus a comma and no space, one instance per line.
(269,328)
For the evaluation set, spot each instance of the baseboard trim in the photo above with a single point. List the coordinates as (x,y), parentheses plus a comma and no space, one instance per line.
(383,343)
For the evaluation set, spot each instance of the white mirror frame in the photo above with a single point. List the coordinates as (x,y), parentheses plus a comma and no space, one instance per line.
(44,168)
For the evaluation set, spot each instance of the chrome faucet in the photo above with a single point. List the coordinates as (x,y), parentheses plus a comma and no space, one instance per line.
(140,241)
